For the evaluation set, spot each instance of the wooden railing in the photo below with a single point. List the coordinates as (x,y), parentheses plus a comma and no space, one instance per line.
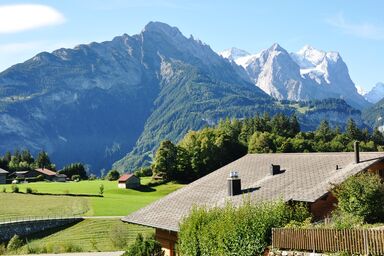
(354,241)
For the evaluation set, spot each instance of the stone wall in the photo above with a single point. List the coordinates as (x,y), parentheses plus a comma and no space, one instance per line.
(28,227)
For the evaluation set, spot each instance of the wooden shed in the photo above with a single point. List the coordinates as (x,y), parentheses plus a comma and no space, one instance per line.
(128,180)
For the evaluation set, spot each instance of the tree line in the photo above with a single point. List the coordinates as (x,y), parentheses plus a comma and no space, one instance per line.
(201,152)
(24,161)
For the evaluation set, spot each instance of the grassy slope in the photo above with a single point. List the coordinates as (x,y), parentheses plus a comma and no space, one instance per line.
(116,202)
(89,235)
(19,205)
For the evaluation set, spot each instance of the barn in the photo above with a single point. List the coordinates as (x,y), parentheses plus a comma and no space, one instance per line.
(128,180)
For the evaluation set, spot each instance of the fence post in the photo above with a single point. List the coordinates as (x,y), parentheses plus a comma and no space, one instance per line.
(366,247)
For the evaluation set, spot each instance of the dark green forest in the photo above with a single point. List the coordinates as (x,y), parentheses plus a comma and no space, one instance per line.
(201,152)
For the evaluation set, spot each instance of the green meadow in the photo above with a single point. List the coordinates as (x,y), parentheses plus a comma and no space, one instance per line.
(115,201)
(88,235)
(95,234)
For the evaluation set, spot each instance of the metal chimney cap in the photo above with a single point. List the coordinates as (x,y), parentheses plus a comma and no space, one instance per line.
(233,174)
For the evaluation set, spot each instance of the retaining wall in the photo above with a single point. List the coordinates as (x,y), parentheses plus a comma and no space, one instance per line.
(29,227)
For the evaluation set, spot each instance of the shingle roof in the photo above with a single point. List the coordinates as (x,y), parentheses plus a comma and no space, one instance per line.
(46,171)
(305,177)
(3,171)
(125,177)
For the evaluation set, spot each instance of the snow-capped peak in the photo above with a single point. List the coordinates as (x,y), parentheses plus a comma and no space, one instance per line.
(233,53)
(308,57)
(361,90)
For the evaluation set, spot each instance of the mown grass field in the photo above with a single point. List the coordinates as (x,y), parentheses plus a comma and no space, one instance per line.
(99,234)
(116,202)
(88,235)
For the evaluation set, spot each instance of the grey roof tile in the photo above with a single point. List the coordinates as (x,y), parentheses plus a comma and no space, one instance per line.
(306,177)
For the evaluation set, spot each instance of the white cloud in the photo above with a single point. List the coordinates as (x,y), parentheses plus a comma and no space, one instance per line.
(364,30)
(21,17)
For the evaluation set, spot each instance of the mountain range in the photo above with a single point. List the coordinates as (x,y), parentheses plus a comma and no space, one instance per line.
(113,102)
(308,74)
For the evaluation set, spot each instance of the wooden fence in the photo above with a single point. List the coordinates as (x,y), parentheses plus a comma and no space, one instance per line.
(354,241)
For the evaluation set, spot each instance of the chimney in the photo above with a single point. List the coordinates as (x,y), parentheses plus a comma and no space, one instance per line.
(275,169)
(234,184)
(357,152)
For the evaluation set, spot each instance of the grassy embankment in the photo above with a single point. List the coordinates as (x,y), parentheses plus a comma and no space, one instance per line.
(90,234)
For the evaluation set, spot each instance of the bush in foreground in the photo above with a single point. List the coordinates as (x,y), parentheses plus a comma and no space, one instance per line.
(243,230)
(144,247)
(362,196)
(15,243)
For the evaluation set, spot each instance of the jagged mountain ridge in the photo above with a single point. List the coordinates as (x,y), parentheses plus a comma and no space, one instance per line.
(96,102)
(306,75)
(92,103)
(375,94)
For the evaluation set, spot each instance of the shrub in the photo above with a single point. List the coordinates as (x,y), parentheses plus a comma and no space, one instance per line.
(4,190)
(75,177)
(343,220)
(3,249)
(243,230)
(15,243)
(28,190)
(15,189)
(113,175)
(363,196)
(101,189)
(144,247)
(92,177)
(117,237)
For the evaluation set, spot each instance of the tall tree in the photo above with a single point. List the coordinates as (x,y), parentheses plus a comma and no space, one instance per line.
(352,131)
(165,162)
(42,160)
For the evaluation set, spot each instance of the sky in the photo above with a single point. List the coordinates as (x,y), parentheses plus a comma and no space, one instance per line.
(353,28)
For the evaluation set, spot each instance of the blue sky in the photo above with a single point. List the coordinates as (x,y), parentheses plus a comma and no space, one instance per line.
(353,28)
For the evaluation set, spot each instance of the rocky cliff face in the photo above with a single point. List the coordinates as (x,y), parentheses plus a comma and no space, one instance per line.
(306,75)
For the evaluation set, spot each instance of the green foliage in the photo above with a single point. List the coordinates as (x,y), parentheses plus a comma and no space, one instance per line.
(144,247)
(3,249)
(76,177)
(43,161)
(210,148)
(15,188)
(144,172)
(101,189)
(112,175)
(28,190)
(15,243)
(363,196)
(243,230)
(165,164)
(345,220)
(75,169)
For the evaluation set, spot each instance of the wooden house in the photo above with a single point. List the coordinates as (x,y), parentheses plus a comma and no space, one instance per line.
(293,177)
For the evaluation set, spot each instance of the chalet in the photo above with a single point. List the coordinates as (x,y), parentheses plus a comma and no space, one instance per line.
(44,172)
(128,181)
(3,176)
(293,177)
(47,174)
